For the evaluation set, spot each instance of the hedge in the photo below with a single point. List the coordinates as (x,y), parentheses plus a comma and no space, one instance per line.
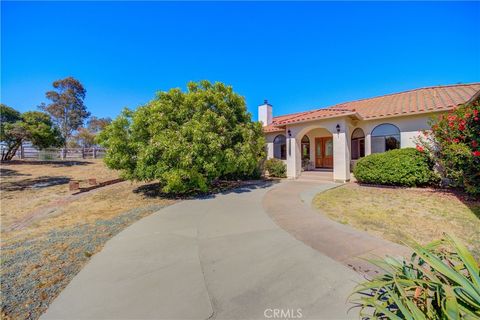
(276,168)
(401,167)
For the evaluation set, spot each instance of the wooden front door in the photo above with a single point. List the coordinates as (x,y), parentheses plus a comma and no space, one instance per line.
(323,153)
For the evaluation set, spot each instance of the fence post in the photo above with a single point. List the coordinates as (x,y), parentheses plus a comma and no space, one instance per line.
(94,153)
(22,152)
(62,153)
(83,152)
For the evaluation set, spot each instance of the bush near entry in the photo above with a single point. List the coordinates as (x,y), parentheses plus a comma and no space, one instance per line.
(401,167)
(276,168)
(454,145)
(186,140)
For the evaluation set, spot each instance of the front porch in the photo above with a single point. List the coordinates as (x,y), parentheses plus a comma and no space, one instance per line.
(313,151)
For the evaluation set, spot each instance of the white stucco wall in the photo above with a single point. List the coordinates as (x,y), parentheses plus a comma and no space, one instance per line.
(410,127)
(265,114)
(270,137)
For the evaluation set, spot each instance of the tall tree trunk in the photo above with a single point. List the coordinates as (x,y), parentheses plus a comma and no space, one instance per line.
(11,151)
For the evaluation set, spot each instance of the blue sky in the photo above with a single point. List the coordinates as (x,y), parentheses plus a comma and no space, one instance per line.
(300,56)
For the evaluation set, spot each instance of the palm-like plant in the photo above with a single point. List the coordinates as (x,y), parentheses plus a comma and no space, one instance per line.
(440,281)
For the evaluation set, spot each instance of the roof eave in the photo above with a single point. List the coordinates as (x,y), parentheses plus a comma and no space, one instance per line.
(349,114)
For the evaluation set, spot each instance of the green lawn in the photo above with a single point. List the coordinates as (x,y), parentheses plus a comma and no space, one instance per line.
(402,214)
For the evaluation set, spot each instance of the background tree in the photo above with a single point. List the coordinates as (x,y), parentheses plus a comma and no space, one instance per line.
(7,115)
(95,125)
(186,140)
(86,136)
(67,108)
(33,126)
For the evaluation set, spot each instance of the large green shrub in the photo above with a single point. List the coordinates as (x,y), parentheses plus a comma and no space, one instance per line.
(401,167)
(440,281)
(276,168)
(454,144)
(186,140)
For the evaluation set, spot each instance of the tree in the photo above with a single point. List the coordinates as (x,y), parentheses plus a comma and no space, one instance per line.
(85,138)
(95,125)
(33,126)
(186,140)
(7,115)
(454,144)
(67,108)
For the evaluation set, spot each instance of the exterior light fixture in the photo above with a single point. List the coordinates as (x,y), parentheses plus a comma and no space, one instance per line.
(289,133)
(338,128)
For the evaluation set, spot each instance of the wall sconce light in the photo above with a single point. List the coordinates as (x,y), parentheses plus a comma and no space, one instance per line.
(338,128)
(289,133)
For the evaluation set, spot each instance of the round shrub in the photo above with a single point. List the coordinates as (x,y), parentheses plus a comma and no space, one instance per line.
(276,168)
(401,167)
(186,140)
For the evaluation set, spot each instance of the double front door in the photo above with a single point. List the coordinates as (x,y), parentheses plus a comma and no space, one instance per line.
(323,152)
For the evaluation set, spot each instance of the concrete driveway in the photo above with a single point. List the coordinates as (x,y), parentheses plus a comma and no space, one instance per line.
(215,258)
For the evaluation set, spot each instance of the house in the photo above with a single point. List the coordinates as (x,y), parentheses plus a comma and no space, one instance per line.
(333,138)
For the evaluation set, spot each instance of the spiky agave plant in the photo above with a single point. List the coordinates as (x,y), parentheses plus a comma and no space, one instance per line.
(440,281)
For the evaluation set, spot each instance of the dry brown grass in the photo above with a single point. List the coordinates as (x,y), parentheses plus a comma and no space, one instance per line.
(102,203)
(404,214)
(22,184)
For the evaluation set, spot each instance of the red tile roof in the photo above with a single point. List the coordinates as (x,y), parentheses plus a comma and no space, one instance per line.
(410,102)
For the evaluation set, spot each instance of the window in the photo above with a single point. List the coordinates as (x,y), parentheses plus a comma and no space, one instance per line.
(385,137)
(305,148)
(358,144)
(280,147)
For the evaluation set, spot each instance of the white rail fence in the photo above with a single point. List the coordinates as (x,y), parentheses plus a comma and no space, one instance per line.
(32,153)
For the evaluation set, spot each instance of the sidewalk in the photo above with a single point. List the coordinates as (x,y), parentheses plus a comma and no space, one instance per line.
(289,206)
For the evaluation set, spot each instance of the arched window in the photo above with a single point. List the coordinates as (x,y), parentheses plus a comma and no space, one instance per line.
(280,147)
(358,144)
(385,137)
(305,148)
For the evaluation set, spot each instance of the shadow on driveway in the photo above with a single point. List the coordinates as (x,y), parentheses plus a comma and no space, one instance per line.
(223,187)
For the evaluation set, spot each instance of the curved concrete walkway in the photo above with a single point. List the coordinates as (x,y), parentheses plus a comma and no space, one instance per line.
(221,257)
(291,208)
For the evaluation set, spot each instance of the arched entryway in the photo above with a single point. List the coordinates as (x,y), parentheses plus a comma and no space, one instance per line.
(316,147)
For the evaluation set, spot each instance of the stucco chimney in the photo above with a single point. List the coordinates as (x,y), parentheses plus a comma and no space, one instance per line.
(265,113)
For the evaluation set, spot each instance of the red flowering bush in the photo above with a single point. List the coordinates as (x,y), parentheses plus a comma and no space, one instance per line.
(454,144)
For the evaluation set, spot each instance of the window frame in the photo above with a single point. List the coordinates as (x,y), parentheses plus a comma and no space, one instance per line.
(306,145)
(359,141)
(282,146)
(398,137)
